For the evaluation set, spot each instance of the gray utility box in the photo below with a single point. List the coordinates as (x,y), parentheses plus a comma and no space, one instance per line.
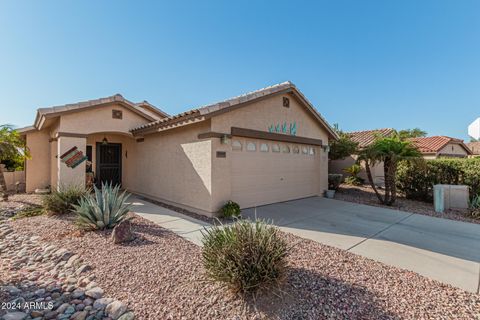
(446,196)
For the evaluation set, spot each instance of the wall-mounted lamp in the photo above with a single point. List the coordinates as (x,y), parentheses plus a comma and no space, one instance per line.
(224,139)
(326,148)
(105,141)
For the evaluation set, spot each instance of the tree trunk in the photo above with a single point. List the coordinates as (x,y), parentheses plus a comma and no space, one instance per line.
(370,179)
(3,185)
(386,175)
(393,187)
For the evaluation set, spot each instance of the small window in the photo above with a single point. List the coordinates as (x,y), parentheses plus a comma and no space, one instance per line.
(311,151)
(251,146)
(296,149)
(236,145)
(275,148)
(89,153)
(286,102)
(264,147)
(305,150)
(285,149)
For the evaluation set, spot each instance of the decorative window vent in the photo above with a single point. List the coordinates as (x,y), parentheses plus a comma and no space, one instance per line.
(221,154)
(286,102)
(117,114)
(140,139)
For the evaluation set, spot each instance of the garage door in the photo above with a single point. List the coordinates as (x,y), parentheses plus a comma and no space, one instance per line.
(265,172)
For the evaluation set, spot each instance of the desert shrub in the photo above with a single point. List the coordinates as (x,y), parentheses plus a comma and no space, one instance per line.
(334,180)
(416,180)
(230,209)
(61,201)
(475,207)
(103,210)
(29,212)
(353,178)
(245,256)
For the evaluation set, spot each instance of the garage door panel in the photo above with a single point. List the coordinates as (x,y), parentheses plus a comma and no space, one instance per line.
(266,177)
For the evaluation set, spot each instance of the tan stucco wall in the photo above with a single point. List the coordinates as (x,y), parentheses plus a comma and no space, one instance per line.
(100,120)
(337,166)
(260,116)
(453,149)
(37,168)
(175,166)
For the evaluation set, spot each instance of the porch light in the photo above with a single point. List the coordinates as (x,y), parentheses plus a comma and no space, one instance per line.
(105,141)
(224,139)
(326,148)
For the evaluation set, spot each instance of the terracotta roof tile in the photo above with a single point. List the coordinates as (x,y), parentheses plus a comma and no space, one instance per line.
(474,147)
(367,137)
(435,144)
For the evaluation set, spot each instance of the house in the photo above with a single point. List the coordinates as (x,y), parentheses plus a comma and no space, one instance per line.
(475,148)
(441,147)
(262,147)
(364,139)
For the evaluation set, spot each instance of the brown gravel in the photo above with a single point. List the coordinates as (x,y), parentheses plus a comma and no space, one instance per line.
(160,276)
(21,200)
(366,195)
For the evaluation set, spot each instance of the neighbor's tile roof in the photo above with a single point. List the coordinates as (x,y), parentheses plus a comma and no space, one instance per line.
(435,144)
(226,105)
(367,137)
(474,147)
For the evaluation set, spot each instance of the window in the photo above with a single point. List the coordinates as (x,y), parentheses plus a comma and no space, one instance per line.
(236,145)
(275,147)
(285,149)
(296,149)
(305,150)
(311,151)
(264,147)
(89,153)
(251,146)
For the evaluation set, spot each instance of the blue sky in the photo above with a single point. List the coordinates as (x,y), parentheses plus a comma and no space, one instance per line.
(363,64)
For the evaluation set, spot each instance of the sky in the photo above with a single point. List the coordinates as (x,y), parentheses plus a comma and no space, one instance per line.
(363,64)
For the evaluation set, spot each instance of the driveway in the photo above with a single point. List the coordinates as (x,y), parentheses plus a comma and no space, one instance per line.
(441,249)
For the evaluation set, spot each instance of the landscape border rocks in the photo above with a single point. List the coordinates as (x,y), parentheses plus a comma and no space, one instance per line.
(43,281)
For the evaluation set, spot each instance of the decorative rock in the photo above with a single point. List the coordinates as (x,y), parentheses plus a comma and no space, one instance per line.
(127,316)
(78,294)
(71,261)
(95,293)
(15,316)
(80,315)
(122,232)
(87,301)
(63,307)
(70,310)
(80,307)
(36,314)
(115,309)
(102,303)
(82,269)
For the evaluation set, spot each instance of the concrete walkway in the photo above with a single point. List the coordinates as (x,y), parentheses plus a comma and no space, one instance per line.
(183,225)
(444,250)
(441,249)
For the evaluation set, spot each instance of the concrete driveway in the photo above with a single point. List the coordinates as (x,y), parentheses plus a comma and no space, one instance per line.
(441,249)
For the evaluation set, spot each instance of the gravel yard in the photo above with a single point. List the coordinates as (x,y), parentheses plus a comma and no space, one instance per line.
(159,275)
(17,202)
(366,195)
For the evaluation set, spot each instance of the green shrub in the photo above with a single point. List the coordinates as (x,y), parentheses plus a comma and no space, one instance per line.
(353,178)
(104,210)
(416,180)
(245,256)
(334,180)
(230,209)
(61,201)
(475,207)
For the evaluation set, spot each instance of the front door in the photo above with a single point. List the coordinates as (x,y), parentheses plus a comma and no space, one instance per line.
(109,163)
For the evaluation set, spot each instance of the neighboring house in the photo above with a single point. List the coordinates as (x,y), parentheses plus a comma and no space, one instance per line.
(364,139)
(475,148)
(441,147)
(262,147)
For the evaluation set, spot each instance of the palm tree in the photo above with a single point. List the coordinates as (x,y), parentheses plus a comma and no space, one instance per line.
(390,151)
(11,146)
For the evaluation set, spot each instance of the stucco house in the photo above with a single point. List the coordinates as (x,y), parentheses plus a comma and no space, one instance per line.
(364,138)
(441,147)
(262,147)
(475,148)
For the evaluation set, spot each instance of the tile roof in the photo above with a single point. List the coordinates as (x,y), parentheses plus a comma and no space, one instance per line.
(474,147)
(212,109)
(435,144)
(367,137)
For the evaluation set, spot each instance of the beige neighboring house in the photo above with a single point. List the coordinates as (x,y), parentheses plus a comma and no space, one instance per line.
(441,147)
(474,148)
(364,139)
(262,147)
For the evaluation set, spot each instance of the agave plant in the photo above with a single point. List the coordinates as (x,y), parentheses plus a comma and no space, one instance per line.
(103,210)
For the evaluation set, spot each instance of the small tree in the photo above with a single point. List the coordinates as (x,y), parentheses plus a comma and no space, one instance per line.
(411,133)
(12,146)
(390,151)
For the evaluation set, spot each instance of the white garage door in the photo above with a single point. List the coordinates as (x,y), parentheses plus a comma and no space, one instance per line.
(266,172)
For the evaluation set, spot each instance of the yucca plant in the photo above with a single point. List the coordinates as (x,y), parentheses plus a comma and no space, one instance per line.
(61,201)
(104,210)
(245,256)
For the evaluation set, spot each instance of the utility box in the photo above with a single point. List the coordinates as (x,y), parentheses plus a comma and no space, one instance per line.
(447,196)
